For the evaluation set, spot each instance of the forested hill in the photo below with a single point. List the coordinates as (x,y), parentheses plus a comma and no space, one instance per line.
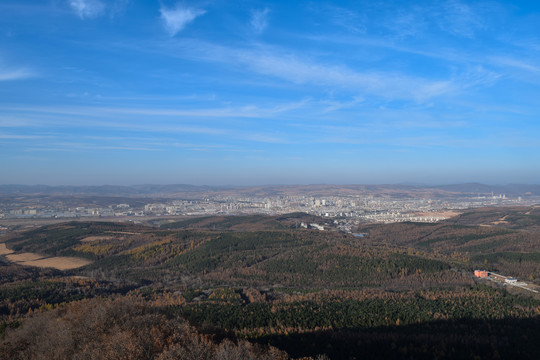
(302,259)
(398,292)
(500,239)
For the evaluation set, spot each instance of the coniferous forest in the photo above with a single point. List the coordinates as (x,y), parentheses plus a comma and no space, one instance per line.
(258,287)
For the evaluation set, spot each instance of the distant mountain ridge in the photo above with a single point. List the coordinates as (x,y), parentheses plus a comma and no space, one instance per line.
(510,189)
(274,190)
(134,190)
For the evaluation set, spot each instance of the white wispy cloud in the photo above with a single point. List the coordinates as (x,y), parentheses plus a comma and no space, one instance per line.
(333,105)
(15,74)
(405,22)
(176,19)
(383,43)
(87,147)
(286,65)
(263,137)
(342,17)
(376,83)
(20,137)
(245,111)
(520,68)
(531,44)
(515,63)
(87,8)
(459,19)
(259,20)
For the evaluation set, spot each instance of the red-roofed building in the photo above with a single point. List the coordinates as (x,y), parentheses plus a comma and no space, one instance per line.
(481,273)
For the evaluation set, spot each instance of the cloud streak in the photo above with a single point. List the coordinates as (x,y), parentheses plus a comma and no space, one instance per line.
(259,20)
(87,8)
(17,74)
(176,19)
(246,111)
(21,137)
(460,19)
(515,63)
(349,20)
(301,71)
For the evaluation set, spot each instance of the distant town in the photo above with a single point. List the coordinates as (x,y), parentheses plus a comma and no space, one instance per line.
(347,209)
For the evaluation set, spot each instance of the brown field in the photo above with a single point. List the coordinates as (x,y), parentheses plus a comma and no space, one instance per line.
(31,259)
(96,238)
(60,263)
(23,257)
(4,250)
(500,221)
(123,232)
(444,214)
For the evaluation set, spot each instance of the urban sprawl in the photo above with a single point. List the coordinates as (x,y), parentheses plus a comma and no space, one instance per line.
(352,208)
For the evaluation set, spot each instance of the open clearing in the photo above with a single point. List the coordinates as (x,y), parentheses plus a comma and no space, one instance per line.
(23,257)
(60,263)
(123,232)
(439,214)
(96,238)
(500,221)
(4,250)
(31,259)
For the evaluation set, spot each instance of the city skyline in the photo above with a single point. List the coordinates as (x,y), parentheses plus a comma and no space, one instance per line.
(254,93)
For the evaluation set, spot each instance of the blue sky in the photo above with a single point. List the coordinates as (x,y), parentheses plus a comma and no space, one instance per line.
(269,92)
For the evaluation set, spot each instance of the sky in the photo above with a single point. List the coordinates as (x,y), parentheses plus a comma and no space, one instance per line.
(241,92)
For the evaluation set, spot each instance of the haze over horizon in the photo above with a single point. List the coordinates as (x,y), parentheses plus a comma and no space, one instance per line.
(97,92)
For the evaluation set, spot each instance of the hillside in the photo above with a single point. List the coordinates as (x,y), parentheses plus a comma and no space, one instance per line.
(302,259)
(499,239)
(306,292)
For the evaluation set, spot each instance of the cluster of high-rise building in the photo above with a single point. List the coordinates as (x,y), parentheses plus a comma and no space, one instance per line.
(363,208)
